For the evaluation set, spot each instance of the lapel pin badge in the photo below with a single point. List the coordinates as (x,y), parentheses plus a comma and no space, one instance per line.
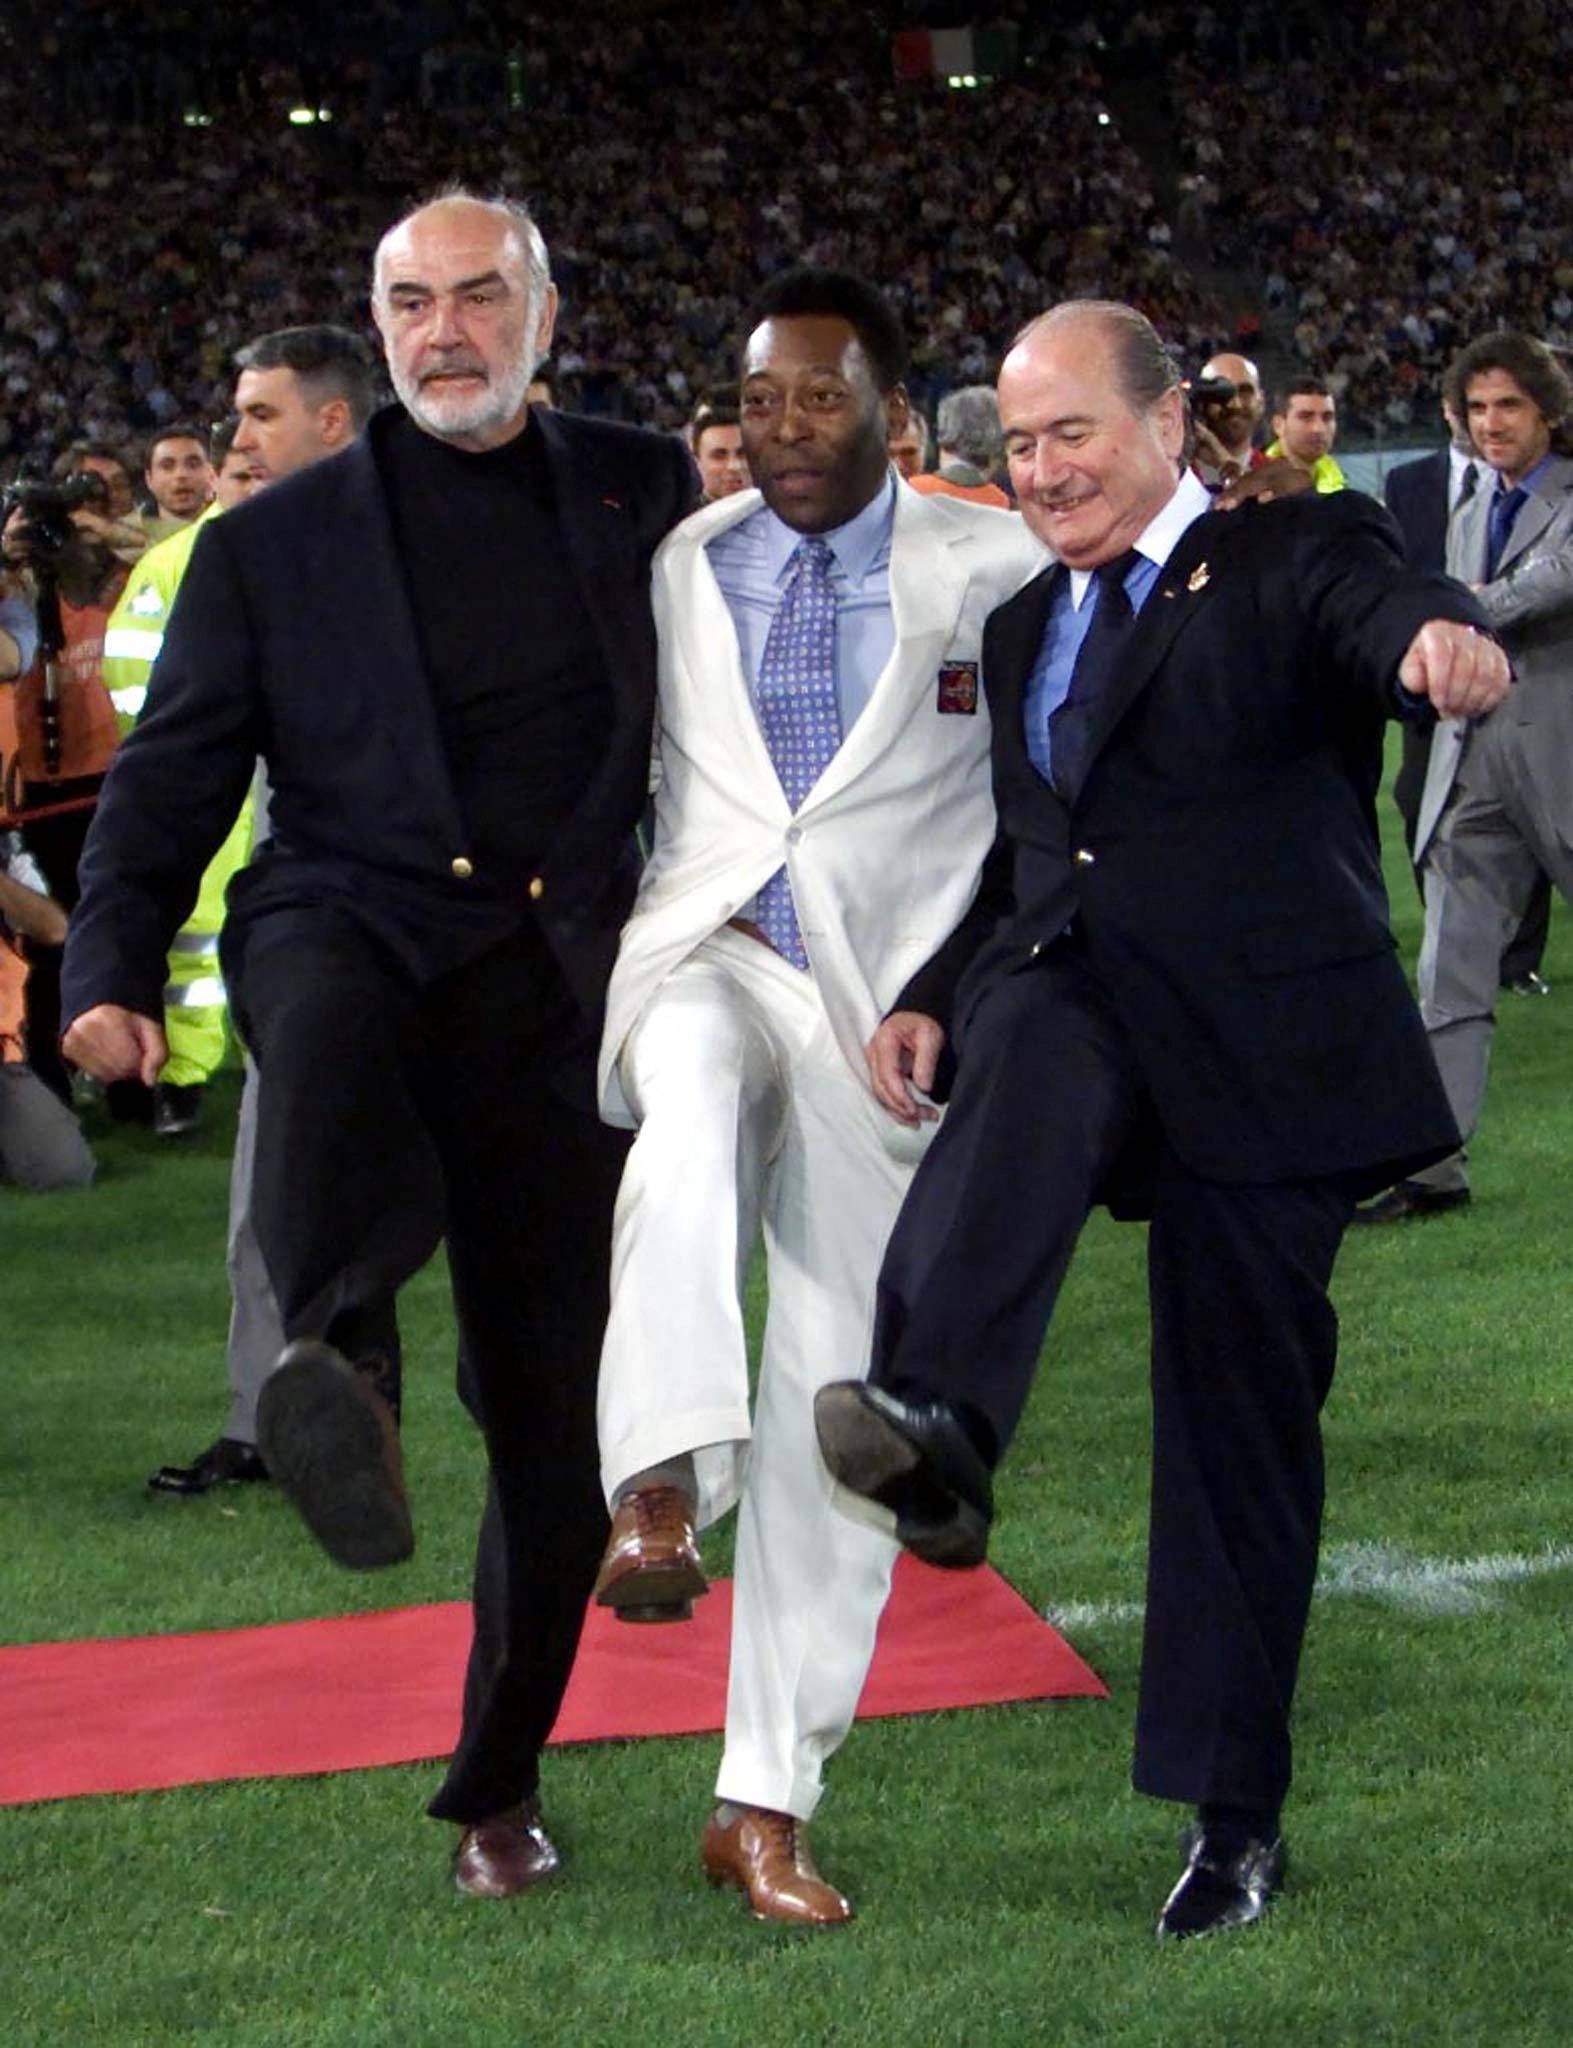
(1198,578)
(957,692)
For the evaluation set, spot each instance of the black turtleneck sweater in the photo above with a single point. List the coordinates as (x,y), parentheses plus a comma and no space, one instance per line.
(503,633)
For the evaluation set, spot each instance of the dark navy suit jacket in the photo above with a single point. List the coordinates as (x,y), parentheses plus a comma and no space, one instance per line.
(292,639)
(1220,858)
(1416,495)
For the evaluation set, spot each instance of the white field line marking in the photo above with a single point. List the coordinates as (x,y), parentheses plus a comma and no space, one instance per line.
(1376,1571)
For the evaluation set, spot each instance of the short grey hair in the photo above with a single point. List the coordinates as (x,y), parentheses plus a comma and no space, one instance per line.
(520,222)
(968,424)
(1145,369)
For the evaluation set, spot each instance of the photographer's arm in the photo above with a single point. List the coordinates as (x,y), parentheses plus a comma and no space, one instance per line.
(18,637)
(124,538)
(31,914)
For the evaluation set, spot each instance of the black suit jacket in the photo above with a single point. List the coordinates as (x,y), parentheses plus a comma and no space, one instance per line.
(1416,495)
(292,639)
(1220,859)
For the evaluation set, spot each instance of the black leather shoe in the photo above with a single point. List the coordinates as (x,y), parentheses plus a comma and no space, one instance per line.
(915,1460)
(1409,1201)
(221,1464)
(1221,1887)
(508,1853)
(176,1110)
(332,1445)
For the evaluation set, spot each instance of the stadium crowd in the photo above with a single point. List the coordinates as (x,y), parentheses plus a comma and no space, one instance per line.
(138,248)
(1392,209)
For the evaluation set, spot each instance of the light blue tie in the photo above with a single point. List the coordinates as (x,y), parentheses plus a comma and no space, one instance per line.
(798,713)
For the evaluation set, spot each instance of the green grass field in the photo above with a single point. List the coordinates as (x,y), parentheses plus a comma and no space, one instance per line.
(1006,1876)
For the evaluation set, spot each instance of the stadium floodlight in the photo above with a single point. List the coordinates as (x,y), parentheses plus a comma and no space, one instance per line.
(193,118)
(307,117)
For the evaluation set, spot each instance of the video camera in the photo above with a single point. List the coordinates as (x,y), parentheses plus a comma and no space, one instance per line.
(47,507)
(1211,390)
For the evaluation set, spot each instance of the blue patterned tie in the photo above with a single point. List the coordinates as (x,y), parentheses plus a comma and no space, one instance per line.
(798,713)
(1504,510)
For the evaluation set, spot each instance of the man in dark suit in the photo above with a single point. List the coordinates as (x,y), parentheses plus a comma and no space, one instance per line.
(1181,999)
(441,644)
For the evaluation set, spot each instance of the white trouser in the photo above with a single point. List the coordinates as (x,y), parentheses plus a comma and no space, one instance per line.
(749,1116)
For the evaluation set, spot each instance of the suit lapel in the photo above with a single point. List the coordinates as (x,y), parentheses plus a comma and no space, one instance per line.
(1010,647)
(1182,592)
(1534,516)
(700,623)
(598,531)
(1466,536)
(928,584)
(1545,503)
(373,588)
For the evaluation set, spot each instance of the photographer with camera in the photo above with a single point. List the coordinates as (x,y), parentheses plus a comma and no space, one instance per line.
(57,725)
(110,513)
(1226,410)
(56,541)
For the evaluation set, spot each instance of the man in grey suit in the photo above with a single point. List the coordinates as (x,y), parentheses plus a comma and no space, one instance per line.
(1497,807)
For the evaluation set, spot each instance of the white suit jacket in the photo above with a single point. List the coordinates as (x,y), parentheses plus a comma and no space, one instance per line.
(1530,603)
(884,852)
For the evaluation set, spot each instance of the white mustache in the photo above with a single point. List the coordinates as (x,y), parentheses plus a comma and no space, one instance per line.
(457,366)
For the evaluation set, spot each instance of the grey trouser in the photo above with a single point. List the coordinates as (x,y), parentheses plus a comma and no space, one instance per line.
(41,1142)
(1491,842)
(256,1333)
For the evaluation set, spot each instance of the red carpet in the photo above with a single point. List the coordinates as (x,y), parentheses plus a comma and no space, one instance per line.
(135,1714)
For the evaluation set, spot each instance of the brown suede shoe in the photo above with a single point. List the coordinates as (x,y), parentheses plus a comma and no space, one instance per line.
(651,1570)
(766,1856)
(508,1853)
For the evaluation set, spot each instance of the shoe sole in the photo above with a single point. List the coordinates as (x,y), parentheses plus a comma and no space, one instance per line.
(664,1594)
(869,1456)
(1378,1218)
(323,1444)
(181,1489)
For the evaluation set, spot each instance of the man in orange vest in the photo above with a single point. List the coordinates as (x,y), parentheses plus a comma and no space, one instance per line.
(970,448)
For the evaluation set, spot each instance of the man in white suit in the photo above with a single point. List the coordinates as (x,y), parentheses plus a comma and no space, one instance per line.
(1497,807)
(822,815)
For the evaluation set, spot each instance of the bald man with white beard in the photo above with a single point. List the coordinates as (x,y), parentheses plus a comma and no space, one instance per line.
(441,645)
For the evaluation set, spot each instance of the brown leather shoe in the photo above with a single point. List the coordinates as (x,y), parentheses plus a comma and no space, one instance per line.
(766,1856)
(508,1853)
(651,1570)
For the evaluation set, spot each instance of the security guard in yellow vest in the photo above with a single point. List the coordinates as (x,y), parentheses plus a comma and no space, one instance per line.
(1305,421)
(195,1012)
